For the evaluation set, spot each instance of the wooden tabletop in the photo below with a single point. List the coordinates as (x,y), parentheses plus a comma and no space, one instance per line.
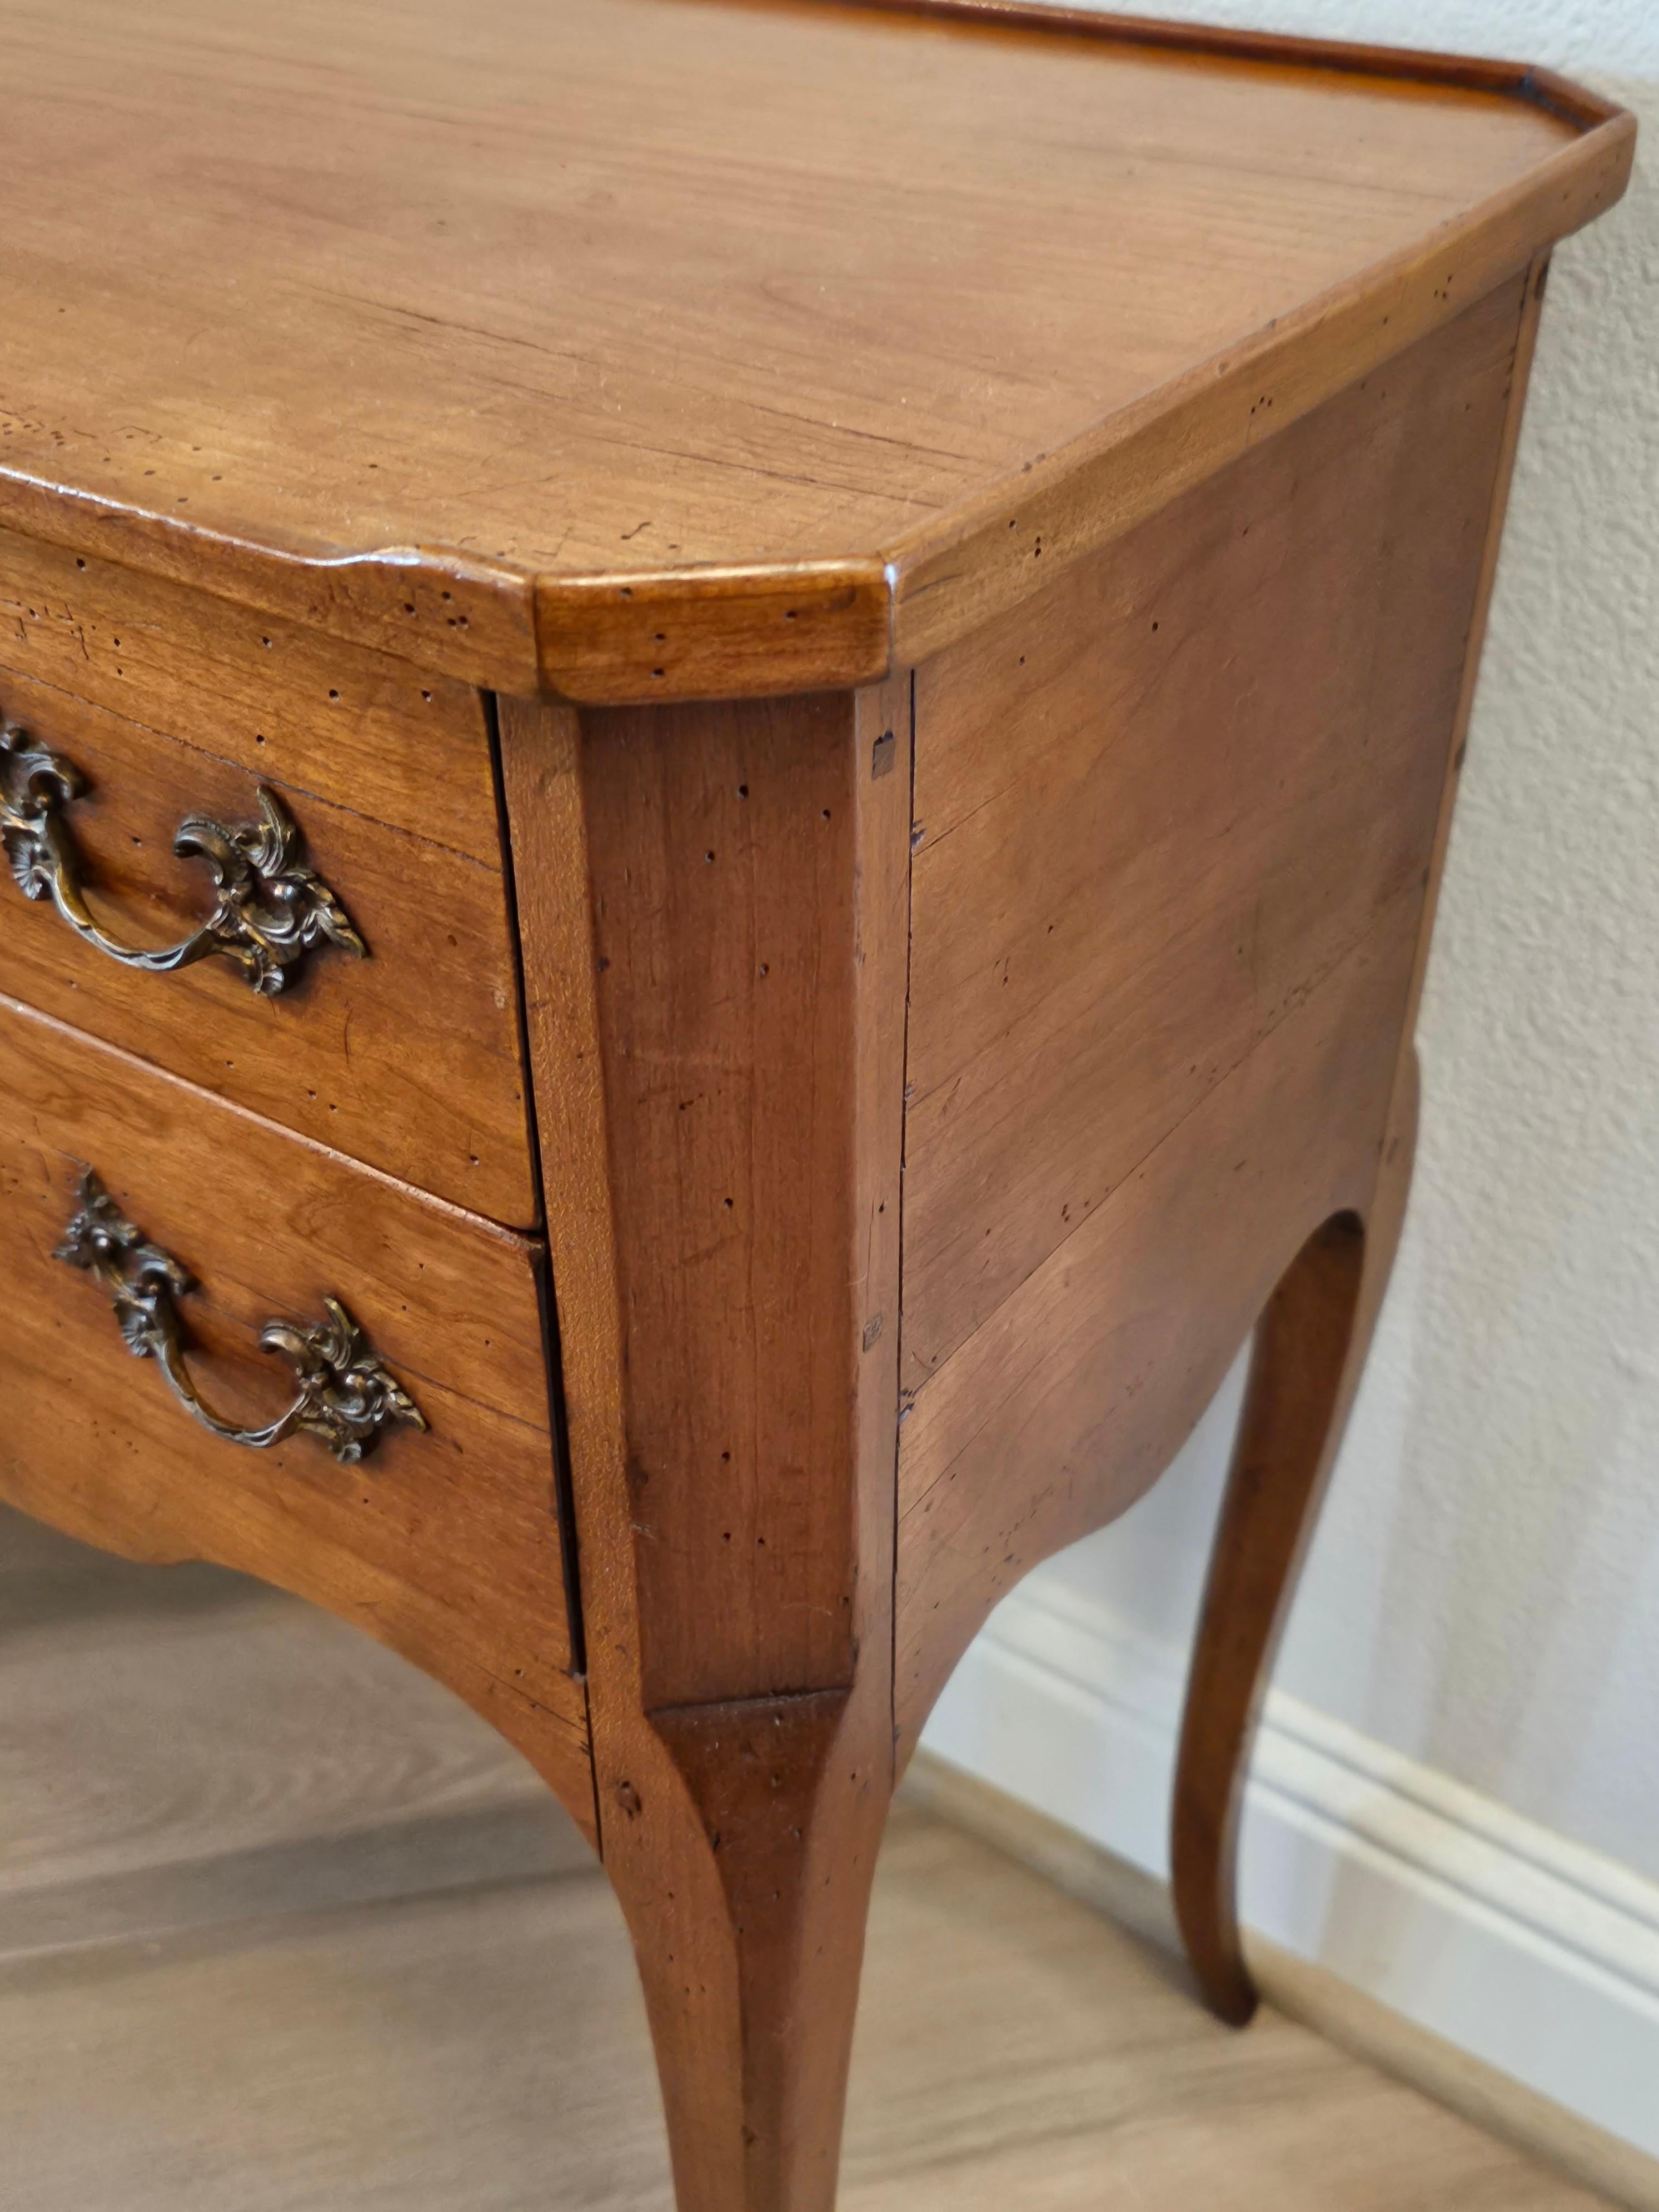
(651,348)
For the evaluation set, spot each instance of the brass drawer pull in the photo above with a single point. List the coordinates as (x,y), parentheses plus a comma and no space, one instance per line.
(346,1395)
(271,910)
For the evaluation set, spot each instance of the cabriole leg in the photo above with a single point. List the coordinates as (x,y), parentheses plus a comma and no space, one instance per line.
(744,1865)
(1310,1346)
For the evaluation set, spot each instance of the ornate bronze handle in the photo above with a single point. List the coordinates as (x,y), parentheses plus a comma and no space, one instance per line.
(346,1395)
(271,908)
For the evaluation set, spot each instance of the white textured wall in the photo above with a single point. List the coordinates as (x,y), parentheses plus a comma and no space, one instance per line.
(1483,1594)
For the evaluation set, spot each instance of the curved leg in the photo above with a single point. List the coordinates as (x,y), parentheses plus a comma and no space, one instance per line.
(743,1861)
(1310,1346)
(723,1202)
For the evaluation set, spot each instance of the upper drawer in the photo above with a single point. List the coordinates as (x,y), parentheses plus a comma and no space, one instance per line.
(169,706)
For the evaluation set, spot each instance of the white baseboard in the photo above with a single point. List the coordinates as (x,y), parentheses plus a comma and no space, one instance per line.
(1532,1954)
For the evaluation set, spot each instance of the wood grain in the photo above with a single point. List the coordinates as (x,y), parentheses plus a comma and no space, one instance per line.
(1311,1348)
(1345,2015)
(688,376)
(1157,805)
(446,1545)
(999,549)
(1306,1347)
(462,2049)
(1509,2110)
(718,1028)
(170,704)
(282,699)
(1073,1398)
(519,359)
(183,1747)
(723,846)
(1233,42)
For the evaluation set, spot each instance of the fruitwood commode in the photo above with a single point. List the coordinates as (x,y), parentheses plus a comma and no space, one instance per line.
(728,730)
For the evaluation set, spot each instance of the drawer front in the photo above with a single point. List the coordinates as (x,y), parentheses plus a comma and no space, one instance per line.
(444,1540)
(166,706)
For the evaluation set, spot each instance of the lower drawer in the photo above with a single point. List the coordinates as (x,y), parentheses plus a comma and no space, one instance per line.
(443,1540)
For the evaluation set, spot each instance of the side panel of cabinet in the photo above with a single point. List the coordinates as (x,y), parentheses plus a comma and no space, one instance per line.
(1175,822)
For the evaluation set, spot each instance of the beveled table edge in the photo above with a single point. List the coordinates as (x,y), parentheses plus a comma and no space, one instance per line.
(738,629)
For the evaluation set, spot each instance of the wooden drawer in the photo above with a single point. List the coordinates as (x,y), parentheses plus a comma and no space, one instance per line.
(444,1541)
(171,705)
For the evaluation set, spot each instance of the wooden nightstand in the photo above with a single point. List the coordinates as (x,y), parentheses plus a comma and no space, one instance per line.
(812,660)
